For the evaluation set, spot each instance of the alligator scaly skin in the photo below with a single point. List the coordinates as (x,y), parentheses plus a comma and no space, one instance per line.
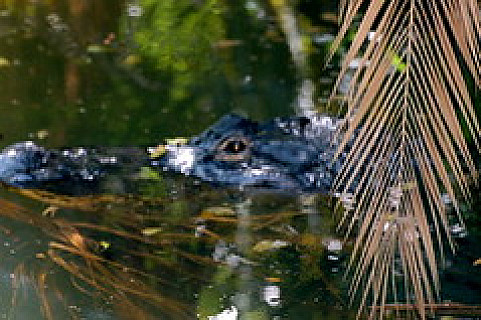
(285,154)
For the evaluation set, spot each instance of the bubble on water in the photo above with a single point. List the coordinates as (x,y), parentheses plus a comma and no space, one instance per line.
(134,10)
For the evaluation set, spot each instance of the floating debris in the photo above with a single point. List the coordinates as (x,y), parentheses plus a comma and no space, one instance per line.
(150,231)
(157,151)
(270,245)
(104,245)
(4,62)
(217,212)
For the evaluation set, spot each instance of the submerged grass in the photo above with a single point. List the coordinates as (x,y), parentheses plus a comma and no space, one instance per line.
(135,258)
(123,285)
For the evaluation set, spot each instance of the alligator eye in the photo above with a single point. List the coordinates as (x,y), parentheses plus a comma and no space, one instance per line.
(235,146)
(233,149)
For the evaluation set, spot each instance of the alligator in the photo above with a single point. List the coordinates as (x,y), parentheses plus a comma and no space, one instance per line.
(291,153)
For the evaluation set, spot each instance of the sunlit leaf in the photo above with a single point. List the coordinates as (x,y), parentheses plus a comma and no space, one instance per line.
(132,60)
(269,245)
(273,280)
(4,62)
(151,231)
(217,212)
(398,63)
(97,48)
(177,141)
(104,244)
(42,134)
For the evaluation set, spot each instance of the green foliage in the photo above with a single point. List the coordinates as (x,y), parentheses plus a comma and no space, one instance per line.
(179,36)
(398,63)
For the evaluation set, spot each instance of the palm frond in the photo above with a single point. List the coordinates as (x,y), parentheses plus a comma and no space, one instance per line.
(408,109)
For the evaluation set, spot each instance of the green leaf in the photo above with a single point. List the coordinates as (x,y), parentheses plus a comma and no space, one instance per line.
(398,63)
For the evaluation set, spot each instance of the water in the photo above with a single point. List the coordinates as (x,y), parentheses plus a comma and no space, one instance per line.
(133,73)
(78,78)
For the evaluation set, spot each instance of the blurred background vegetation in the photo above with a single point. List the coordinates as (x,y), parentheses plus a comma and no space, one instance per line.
(133,72)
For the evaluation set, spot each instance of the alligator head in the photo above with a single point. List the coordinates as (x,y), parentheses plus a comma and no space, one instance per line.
(284,153)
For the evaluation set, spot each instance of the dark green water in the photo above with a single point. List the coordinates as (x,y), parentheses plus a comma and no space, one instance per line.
(113,73)
(132,73)
(100,76)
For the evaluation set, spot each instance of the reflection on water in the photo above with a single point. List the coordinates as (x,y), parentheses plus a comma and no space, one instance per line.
(101,74)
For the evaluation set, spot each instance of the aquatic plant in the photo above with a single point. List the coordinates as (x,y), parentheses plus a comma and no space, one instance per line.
(92,255)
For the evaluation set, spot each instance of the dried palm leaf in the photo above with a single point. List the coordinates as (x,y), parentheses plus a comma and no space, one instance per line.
(408,108)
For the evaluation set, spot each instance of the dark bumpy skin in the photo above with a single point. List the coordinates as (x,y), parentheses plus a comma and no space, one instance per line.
(284,154)
(71,171)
